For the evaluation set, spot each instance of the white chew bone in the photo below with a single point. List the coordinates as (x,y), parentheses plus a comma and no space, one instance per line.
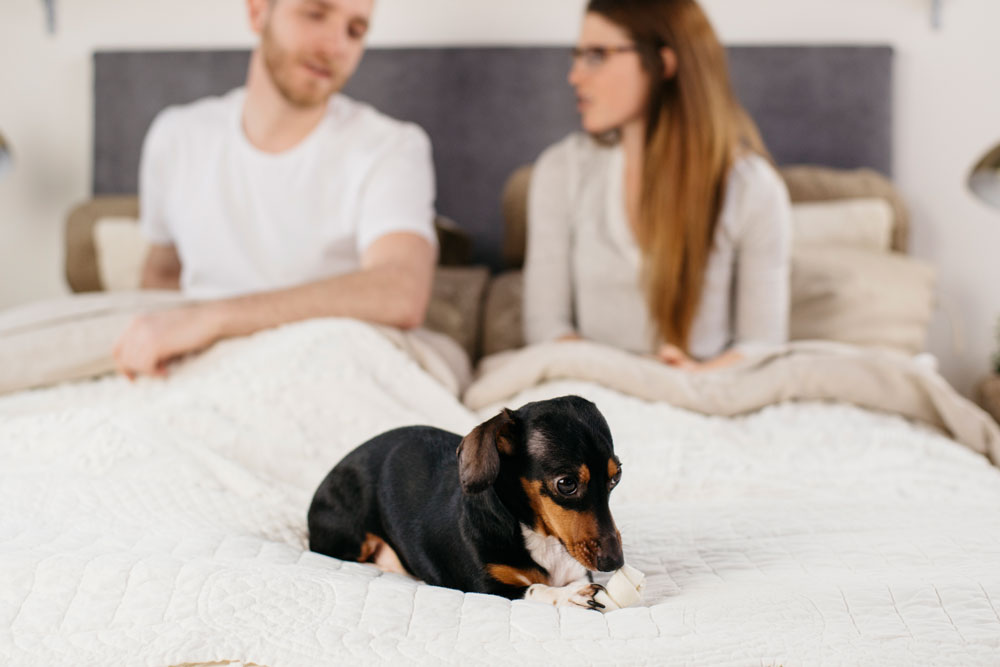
(624,589)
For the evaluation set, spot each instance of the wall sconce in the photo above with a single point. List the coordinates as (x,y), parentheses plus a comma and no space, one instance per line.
(50,15)
(935,14)
(6,158)
(984,181)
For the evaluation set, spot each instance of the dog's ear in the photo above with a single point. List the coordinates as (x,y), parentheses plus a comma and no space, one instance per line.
(479,452)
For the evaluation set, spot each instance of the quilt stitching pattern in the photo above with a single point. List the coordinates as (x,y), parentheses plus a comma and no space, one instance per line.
(163,523)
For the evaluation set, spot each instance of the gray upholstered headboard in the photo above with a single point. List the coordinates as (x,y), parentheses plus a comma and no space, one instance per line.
(490,110)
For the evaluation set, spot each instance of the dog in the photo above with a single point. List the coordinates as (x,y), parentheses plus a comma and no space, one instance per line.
(517,508)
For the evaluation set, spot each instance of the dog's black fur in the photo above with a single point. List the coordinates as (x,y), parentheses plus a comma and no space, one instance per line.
(456,521)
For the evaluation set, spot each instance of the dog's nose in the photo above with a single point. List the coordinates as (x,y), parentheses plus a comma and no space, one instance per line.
(610,556)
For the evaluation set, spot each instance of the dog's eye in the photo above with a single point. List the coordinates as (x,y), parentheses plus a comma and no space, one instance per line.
(566,485)
(614,480)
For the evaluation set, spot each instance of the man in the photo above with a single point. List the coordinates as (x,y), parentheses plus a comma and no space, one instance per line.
(283,201)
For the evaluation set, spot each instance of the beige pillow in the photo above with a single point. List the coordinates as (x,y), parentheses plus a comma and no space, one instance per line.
(456,302)
(860,223)
(809,183)
(859,296)
(502,328)
(121,250)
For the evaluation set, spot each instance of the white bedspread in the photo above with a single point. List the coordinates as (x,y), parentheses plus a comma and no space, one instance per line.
(163,523)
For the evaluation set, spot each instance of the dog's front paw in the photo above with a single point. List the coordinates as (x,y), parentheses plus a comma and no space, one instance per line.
(577,594)
(586,597)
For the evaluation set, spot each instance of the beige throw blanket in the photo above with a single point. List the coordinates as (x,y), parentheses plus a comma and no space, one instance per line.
(72,338)
(807,371)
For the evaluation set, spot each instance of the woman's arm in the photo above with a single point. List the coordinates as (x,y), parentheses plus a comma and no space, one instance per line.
(763,260)
(548,288)
(762,223)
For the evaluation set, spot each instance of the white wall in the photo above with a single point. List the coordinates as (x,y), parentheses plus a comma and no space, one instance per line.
(947,113)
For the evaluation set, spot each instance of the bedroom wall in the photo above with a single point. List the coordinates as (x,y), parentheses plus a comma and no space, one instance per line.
(947,99)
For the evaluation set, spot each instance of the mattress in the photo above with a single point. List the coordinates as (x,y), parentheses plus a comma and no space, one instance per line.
(162,522)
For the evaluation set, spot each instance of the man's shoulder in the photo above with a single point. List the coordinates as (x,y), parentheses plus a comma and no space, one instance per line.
(374,127)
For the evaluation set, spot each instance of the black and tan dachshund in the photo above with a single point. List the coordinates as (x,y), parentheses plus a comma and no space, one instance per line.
(518,508)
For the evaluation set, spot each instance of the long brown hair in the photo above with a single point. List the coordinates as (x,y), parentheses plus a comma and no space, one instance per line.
(695,129)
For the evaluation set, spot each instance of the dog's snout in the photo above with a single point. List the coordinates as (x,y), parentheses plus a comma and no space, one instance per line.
(610,556)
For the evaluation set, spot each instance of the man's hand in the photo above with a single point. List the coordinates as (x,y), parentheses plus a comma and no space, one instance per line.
(153,340)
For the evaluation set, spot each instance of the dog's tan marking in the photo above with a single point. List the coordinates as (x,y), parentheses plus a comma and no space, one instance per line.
(505,446)
(377,551)
(612,468)
(513,576)
(578,531)
(584,474)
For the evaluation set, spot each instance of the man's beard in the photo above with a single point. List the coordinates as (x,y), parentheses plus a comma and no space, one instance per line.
(282,64)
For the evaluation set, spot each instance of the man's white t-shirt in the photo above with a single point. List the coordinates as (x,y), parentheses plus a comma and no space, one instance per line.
(246,221)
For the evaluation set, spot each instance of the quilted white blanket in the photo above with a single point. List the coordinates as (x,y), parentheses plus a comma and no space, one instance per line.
(163,522)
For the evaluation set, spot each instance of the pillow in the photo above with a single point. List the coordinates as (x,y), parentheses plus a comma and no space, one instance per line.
(860,223)
(514,204)
(121,250)
(502,329)
(810,183)
(456,304)
(454,243)
(860,296)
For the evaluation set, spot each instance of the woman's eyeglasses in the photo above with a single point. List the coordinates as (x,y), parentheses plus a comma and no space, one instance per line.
(595,56)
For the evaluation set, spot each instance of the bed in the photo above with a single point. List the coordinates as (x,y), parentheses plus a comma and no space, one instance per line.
(823,503)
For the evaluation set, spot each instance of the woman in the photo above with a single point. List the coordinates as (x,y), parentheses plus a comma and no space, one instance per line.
(663,229)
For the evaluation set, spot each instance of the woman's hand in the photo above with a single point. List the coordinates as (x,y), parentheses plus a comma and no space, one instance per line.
(676,357)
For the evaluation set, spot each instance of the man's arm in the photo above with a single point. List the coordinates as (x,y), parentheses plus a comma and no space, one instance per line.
(393,287)
(162,269)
